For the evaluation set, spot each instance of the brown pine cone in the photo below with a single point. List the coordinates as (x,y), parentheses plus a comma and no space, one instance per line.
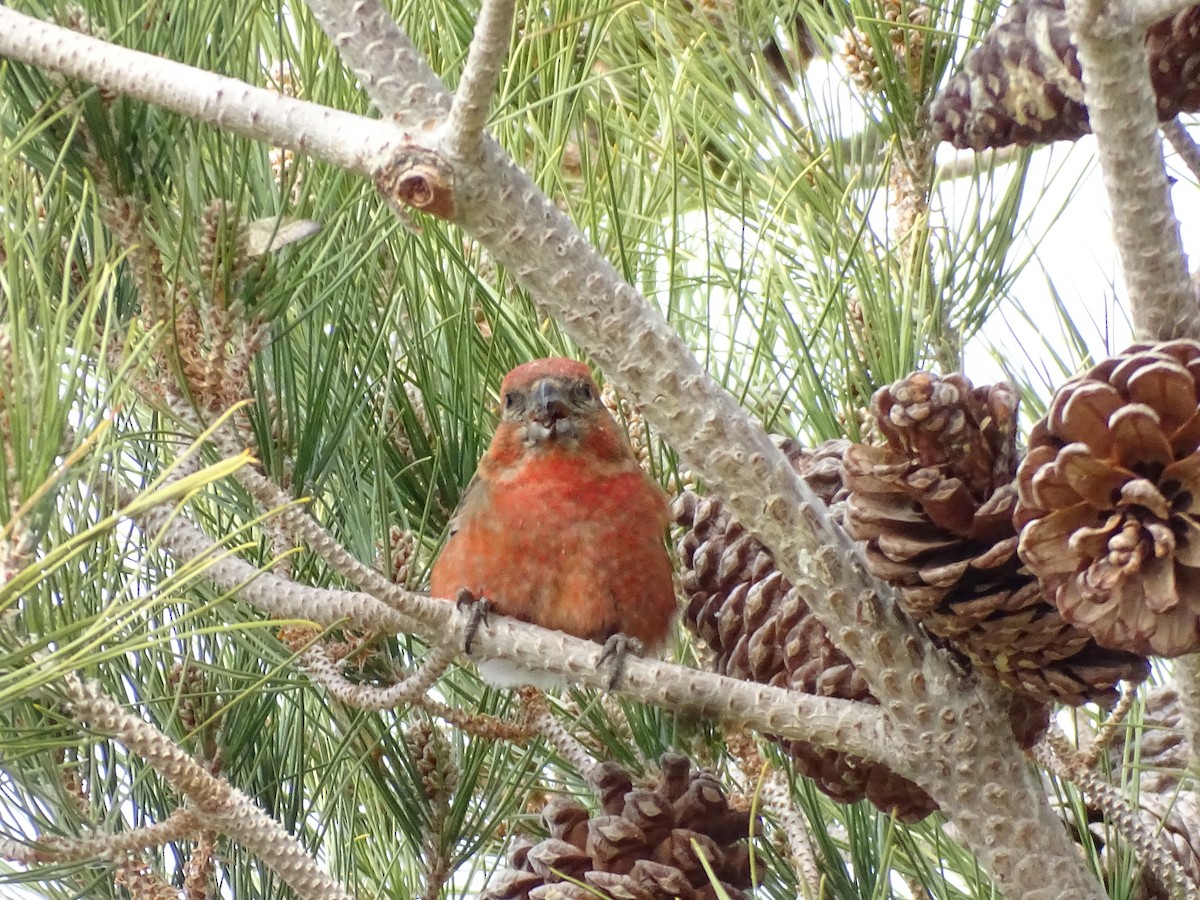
(935,507)
(642,851)
(1109,505)
(761,630)
(1021,85)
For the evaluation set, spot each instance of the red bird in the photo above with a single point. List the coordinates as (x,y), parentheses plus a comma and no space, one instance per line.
(560,526)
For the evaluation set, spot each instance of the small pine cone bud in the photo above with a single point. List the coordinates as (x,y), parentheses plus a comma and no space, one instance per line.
(554,860)
(657,881)
(434,761)
(612,783)
(615,844)
(1109,500)
(650,811)
(566,820)
(511,884)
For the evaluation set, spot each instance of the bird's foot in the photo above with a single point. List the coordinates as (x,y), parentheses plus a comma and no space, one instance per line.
(477,609)
(617,649)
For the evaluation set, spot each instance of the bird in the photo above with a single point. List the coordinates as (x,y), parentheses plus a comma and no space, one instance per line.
(561,526)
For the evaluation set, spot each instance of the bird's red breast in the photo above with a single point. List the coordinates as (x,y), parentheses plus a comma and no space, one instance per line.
(561,527)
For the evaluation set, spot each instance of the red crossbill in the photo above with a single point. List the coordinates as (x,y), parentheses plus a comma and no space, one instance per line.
(561,526)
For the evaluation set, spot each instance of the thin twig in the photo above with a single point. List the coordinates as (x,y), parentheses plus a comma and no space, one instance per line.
(1184,146)
(181,824)
(476,723)
(1108,729)
(305,528)
(778,799)
(489,50)
(540,719)
(1121,108)
(317,661)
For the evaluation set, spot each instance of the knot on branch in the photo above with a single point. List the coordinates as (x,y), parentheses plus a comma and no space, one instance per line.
(420,180)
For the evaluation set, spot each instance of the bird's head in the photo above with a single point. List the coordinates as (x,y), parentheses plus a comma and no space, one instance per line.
(553,404)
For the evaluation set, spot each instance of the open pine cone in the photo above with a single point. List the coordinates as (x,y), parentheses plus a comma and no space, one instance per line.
(1109,505)
(644,844)
(934,508)
(1021,85)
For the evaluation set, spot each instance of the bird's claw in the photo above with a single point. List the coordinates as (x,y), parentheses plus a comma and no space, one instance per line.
(477,609)
(617,650)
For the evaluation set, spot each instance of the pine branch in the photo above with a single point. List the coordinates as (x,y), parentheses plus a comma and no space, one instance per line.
(845,725)
(1121,107)
(489,48)
(182,824)
(351,142)
(390,68)
(226,808)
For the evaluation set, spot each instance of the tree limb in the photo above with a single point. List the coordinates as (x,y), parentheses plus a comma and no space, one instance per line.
(489,48)
(1121,107)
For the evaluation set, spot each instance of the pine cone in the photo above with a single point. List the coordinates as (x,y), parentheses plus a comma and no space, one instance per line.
(762,630)
(1109,505)
(1021,85)
(935,507)
(647,850)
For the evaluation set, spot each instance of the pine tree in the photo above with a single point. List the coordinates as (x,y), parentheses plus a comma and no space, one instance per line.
(259,284)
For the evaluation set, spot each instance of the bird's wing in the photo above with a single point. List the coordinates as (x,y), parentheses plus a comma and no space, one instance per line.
(469,501)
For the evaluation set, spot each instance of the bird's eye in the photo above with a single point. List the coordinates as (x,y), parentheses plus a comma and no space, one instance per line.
(512,401)
(584,393)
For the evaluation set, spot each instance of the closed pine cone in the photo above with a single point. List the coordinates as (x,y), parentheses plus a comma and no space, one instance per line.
(1110,500)
(641,843)
(934,508)
(1021,84)
(761,630)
